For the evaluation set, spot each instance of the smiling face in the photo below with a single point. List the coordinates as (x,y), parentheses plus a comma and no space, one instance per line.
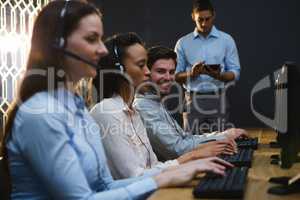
(135,63)
(86,42)
(163,74)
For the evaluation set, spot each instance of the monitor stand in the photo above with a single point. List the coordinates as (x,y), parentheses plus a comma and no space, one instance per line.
(287,185)
(275,159)
(274,145)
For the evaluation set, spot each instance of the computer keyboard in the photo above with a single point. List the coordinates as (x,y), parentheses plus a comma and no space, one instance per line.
(228,187)
(240,159)
(247,143)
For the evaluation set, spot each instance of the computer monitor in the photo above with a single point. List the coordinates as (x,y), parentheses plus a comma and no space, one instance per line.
(287,113)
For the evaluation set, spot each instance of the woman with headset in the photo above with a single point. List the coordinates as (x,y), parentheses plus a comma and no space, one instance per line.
(123,72)
(52,146)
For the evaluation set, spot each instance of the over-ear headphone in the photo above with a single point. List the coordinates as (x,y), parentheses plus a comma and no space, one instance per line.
(118,62)
(60,41)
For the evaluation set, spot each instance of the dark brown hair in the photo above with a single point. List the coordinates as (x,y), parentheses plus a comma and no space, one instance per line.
(160,52)
(112,82)
(201,5)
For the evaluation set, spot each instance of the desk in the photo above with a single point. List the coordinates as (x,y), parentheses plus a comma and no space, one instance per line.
(258,175)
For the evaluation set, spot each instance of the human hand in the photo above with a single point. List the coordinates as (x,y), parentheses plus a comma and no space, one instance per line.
(216,74)
(226,146)
(234,133)
(231,147)
(181,175)
(198,69)
(215,148)
(213,72)
(205,150)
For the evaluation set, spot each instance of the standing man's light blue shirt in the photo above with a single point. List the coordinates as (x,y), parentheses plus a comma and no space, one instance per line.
(55,152)
(217,48)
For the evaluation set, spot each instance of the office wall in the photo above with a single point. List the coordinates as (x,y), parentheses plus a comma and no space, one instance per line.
(266,32)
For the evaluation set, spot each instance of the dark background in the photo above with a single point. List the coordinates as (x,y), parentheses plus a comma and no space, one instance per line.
(266,33)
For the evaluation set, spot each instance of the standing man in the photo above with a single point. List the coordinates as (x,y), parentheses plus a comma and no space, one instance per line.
(206,106)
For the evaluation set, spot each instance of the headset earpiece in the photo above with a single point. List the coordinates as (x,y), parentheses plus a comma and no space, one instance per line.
(118,63)
(60,41)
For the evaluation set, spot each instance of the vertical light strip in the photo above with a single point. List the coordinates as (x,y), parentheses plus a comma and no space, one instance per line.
(16,23)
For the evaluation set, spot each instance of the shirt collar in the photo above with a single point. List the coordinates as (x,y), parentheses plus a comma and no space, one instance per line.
(149,95)
(123,105)
(71,101)
(213,33)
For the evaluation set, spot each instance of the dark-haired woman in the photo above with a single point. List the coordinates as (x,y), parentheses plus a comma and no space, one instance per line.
(124,136)
(52,145)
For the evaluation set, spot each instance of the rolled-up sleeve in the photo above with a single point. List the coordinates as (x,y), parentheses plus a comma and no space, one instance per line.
(166,136)
(181,60)
(232,62)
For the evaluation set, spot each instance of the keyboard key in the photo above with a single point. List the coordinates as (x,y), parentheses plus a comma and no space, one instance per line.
(228,187)
(247,143)
(242,158)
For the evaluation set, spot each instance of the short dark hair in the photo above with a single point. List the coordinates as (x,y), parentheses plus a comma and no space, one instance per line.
(160,52)
(201,5)
(112,82)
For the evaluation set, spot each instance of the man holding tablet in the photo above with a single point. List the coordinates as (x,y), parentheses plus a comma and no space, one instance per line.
(207,61)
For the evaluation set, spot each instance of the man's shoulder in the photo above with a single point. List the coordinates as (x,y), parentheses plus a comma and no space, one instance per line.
(186,37)
(225,36)
(145,103)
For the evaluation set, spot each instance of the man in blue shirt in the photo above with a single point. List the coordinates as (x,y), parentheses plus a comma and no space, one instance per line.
(206,105)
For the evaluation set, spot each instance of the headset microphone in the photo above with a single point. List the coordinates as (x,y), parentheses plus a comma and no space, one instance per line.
(77,57)
(60,42)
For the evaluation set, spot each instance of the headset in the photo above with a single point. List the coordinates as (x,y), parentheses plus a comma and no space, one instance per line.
(118,62)
(60,41)
(59,44)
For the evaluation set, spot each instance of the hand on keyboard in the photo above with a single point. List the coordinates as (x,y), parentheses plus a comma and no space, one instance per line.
(242,158)
(214,148)
(209,149)
(184,173)
(231,147)
(231,186)
(247,143)
(234,133)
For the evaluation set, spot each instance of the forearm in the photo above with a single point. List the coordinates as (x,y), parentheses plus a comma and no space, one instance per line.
(226,77)
(186,157)
(137,188)
(182,77)
(169,163)
(214,136)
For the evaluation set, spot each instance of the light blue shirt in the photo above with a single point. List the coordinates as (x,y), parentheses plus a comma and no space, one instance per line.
(217,48)
(167,138)
(55,152)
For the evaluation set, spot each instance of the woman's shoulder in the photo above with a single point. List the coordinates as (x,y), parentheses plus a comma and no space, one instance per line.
(40,107)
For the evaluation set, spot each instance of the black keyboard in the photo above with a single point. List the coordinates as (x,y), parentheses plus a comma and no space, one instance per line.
(242,158)
(228,187)
(247,143)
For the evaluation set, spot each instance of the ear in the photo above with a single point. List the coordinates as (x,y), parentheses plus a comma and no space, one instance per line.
(193,16)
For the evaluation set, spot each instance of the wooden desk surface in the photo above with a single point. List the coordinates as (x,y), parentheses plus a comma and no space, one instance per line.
(258,175)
